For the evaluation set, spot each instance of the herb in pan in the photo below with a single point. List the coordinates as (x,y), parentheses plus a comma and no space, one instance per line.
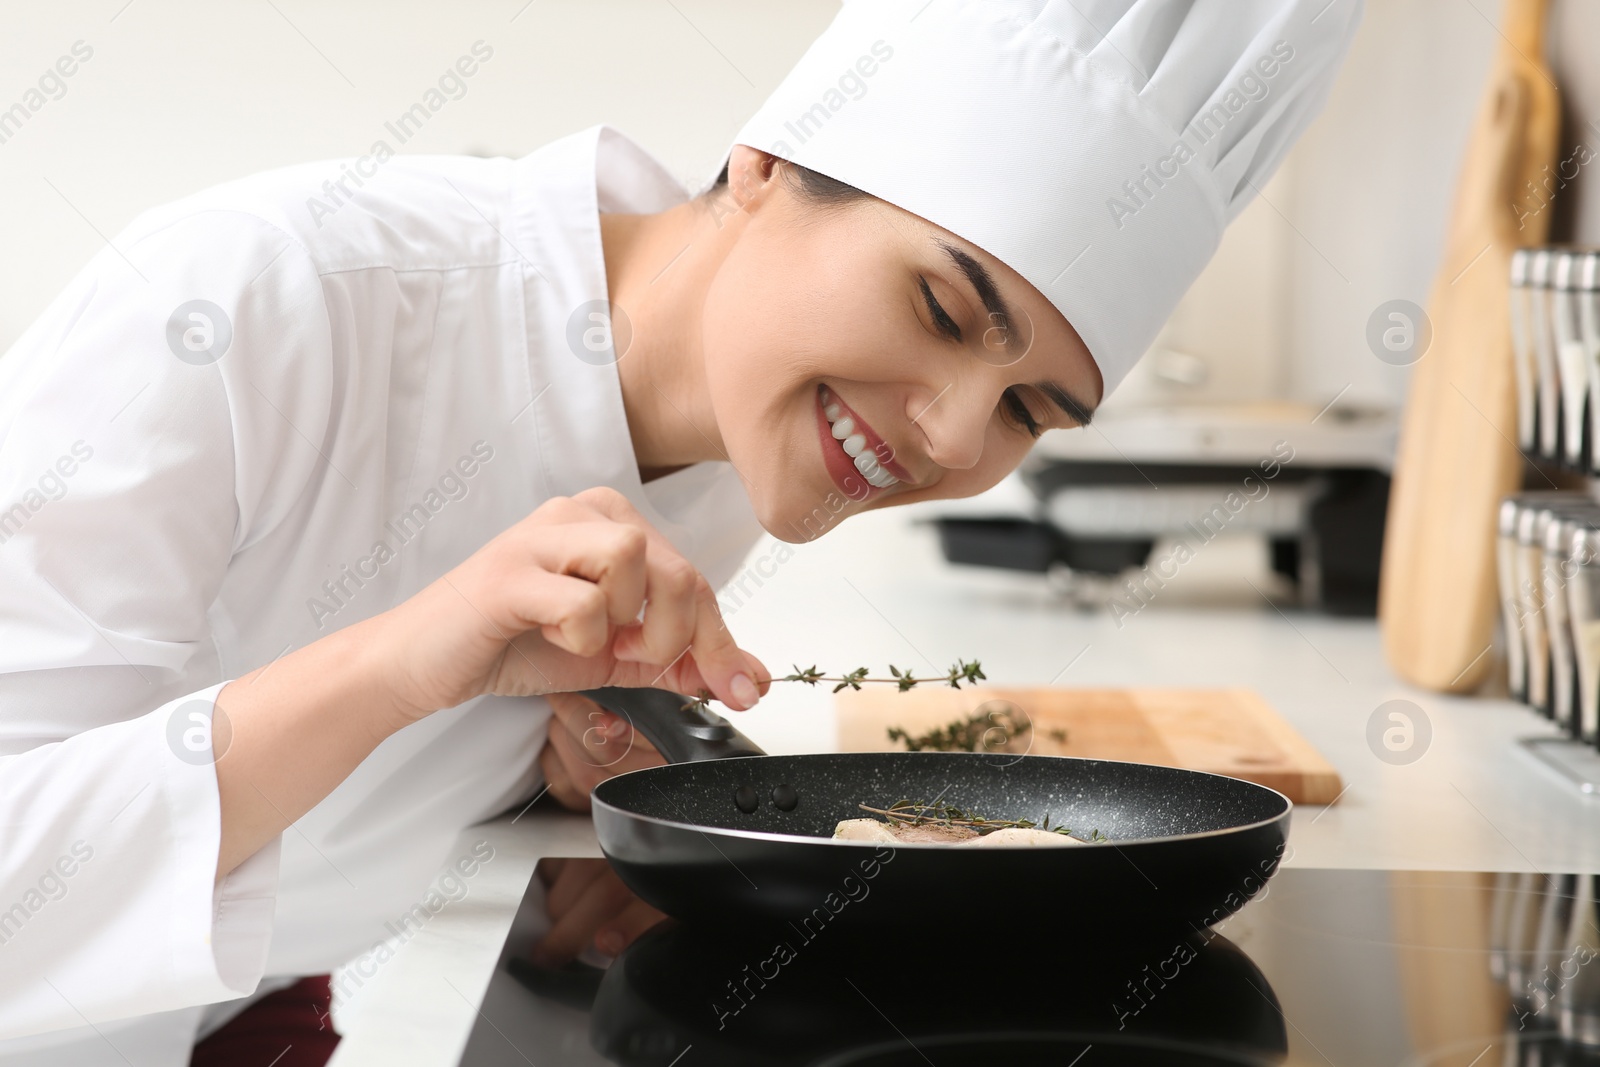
(937,823)
(916,813)
(962,671)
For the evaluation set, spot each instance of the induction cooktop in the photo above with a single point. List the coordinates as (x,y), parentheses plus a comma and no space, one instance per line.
(1338,967)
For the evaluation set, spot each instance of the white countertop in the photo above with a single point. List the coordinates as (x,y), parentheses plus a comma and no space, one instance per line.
(875,591)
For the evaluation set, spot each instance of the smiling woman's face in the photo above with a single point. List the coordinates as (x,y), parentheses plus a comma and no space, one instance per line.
(860,328)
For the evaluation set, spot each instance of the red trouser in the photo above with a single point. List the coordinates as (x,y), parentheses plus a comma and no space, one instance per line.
(289,1028)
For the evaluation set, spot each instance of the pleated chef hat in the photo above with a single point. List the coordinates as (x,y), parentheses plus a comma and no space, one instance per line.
(1097,147)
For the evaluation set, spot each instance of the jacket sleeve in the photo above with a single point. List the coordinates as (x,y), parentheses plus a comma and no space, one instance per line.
(165,409)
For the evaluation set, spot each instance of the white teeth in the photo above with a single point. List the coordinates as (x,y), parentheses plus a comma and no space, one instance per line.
(854,445)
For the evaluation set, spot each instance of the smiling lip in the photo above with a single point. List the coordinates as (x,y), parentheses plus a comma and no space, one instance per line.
(841,469)
(875,444)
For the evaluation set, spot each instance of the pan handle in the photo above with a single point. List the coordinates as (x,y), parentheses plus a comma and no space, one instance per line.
(681,734)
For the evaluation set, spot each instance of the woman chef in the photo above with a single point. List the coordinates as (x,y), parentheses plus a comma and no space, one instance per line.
(306,518)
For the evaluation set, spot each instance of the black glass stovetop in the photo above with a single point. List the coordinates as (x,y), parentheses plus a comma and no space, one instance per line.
(1339,967)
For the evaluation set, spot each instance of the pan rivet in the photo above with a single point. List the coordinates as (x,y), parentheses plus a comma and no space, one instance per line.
(784,798)
(747,799)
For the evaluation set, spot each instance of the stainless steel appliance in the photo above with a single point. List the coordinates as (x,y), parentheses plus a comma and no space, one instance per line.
(1313,483)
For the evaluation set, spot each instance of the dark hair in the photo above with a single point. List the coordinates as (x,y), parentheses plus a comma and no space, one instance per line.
(812,186)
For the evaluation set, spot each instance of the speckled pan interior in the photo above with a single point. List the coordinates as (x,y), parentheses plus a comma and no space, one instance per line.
(1125,801)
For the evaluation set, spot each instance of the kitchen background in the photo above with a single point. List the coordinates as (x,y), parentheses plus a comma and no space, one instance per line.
(178,96)
(181,95)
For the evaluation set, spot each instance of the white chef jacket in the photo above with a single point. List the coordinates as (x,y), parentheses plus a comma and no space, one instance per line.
(402,382)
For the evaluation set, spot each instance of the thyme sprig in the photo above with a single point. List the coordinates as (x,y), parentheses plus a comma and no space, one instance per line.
(915,813)
(903,679)
(960,671)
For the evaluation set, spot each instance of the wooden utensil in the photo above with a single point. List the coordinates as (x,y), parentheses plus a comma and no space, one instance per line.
(1456,456)
(1225,731)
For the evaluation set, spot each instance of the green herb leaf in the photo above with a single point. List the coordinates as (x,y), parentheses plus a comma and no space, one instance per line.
(970,734)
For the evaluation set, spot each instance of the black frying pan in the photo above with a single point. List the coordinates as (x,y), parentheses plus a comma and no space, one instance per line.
(726,832)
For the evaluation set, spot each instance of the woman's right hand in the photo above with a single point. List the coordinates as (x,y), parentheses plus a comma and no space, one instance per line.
(553,604)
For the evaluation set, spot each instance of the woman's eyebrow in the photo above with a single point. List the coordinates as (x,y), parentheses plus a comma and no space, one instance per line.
(1076,409)
(989,293)
(1000,313)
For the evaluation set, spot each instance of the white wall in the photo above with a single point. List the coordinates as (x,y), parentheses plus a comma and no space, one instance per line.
(1355,217)
(1374,185)
(182,94)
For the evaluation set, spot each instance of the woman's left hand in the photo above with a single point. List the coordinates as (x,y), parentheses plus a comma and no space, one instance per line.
(588,904)
(587,745)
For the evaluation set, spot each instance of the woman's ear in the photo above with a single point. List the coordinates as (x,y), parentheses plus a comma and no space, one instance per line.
(752,175)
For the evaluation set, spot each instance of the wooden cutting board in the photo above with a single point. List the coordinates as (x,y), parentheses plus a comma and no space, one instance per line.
(1225,731)
(1456,457)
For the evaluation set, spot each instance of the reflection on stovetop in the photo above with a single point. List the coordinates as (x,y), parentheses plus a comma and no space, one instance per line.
(1362,968)
(787,1001)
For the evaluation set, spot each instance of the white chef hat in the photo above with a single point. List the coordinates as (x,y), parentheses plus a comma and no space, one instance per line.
(1097,147)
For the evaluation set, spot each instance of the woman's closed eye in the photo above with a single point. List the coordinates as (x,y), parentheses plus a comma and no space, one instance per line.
(1013,407)
(1019,413)
(941,317)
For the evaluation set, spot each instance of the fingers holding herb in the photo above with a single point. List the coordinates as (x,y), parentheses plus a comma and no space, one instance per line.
(580,593)
(681,617)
